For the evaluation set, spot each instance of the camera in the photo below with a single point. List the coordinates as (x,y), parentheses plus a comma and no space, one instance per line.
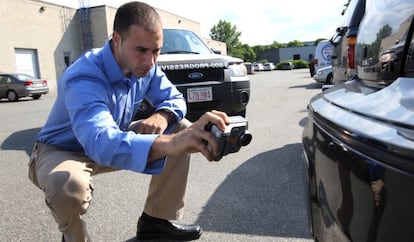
(233,138)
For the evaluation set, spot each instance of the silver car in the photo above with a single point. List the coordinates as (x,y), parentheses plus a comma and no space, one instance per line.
(16,85)
(324,75)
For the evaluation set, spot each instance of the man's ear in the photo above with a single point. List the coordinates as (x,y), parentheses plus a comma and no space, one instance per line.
(116,38)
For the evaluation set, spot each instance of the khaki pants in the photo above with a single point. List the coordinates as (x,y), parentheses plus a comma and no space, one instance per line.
(66,179)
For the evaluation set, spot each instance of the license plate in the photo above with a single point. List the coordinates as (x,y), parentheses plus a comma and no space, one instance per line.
(199,94)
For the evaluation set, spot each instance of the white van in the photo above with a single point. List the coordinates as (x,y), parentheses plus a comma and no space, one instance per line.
(323,54)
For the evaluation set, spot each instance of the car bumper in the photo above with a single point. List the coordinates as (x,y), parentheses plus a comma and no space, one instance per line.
(229,97)
(319,78)
(36,91)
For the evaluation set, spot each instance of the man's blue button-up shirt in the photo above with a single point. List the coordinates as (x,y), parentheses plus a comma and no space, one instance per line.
(95,105)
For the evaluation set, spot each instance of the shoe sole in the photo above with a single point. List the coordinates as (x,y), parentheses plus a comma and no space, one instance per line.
(172,238)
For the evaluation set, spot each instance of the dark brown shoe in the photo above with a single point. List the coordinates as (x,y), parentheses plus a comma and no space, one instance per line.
(151,228)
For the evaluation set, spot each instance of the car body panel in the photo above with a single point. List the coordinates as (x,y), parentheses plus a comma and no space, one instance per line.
(359,136)
(356,187)
(345,108)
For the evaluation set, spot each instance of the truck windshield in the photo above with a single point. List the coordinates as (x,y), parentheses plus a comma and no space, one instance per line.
(178,41)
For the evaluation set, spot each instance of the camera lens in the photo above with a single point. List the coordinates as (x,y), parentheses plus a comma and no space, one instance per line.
(245,139)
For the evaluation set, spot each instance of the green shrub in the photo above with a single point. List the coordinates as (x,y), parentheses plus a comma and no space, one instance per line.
(298,64)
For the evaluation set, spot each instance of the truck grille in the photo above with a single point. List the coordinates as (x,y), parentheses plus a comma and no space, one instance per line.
(198,75)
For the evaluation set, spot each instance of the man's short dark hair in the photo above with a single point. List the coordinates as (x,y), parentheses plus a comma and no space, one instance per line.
(136,13)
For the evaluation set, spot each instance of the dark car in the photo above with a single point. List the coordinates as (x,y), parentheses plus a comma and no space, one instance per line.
(16,85)
(206,79)
(359,137)
(344,40)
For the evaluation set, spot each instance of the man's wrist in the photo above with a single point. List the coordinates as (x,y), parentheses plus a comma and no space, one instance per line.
(168,115)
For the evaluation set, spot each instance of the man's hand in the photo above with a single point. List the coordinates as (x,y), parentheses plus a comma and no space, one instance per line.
(193,139)
(155,124)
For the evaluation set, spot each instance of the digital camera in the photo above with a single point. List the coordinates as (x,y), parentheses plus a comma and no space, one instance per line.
(233,138)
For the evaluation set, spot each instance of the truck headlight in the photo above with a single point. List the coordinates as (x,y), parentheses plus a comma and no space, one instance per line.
(237,70)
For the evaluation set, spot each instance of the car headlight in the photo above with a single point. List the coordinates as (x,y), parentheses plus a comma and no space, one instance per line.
(237,70)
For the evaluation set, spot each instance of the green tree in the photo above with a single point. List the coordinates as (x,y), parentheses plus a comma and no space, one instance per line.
(295,43)
(317,41)
(225,32)
(245,52)
(276,45)
(259,48)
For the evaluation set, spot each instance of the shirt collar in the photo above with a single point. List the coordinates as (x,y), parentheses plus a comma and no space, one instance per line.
(112,68)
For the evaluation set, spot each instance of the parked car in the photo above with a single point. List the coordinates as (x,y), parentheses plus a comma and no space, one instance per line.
(324,75)
(344,40)
(269,66)
(258,67)
(16,85)
(249,67)
(206,79)
(359,136)
(285,65)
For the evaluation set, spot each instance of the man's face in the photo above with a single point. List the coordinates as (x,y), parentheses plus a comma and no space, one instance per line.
(138,51)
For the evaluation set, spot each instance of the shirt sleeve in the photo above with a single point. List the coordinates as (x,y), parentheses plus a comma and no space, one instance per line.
(87,103)
(162,94)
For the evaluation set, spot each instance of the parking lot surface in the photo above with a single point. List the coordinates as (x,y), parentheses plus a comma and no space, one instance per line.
(256,194)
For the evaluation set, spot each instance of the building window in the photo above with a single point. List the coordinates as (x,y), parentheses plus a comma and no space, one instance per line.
(66,59)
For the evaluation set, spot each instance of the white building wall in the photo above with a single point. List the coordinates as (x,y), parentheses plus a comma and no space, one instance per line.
(304,52)
(102,18)
(54,31)
(48,30)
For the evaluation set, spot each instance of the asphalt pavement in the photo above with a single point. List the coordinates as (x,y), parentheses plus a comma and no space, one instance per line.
(256,194)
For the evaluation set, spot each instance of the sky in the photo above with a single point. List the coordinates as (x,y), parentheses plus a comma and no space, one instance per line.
(261,22)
